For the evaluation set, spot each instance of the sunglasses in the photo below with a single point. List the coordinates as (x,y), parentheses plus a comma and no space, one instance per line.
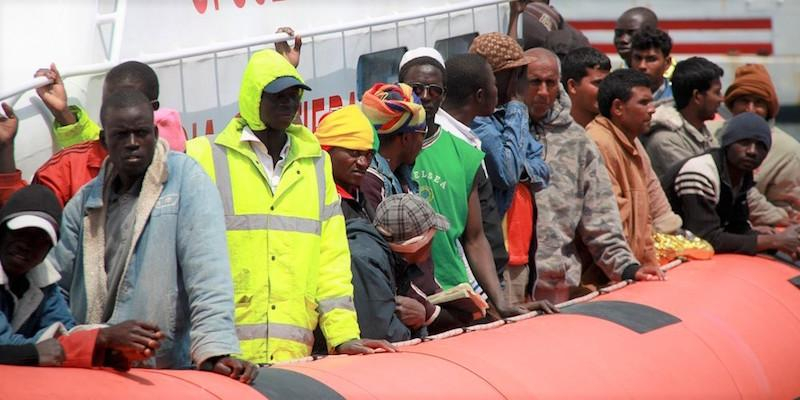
(433,89)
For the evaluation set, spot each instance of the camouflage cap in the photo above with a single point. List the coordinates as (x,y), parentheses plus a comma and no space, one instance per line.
(501,51)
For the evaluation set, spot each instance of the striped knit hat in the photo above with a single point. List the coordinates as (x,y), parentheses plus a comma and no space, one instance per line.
(393,108)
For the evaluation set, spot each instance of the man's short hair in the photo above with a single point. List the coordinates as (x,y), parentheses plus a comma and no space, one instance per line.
(422,61)
(652,38)
(137,73)
(618,85)
(649,17)
(467,73)
(122,98)
(577,61)
(690,74)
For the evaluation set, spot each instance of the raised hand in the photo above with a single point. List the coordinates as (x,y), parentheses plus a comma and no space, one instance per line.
(292,54)
(54,95)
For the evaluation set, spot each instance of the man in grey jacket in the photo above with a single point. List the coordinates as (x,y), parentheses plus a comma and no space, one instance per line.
(577,213)
(145,239)
(679,132)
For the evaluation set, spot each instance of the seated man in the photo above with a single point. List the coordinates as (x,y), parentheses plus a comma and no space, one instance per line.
(577,210)
(390,288)
(650,50)
(778,177)
(348,136)
(710,191)
(679,132)
(32,309)
(146,239)
(626,105)
(399,120)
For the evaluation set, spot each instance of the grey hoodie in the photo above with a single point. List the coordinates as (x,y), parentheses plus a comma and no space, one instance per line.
(672,139)
(578,206)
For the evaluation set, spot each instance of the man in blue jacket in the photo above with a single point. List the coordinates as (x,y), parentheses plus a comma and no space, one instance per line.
(146,240)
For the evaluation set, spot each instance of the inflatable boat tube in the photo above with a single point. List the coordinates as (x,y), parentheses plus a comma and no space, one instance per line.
(724,328)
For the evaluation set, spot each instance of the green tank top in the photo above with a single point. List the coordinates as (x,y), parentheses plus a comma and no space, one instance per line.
(445,170)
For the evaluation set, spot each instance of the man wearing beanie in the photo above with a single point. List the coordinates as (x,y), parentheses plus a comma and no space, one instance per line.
(710,191)
(349,138)
(778,177)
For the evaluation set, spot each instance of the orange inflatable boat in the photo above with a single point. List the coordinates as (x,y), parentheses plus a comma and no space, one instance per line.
(724,328)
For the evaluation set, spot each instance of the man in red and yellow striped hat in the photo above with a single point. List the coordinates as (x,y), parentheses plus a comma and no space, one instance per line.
(399,119)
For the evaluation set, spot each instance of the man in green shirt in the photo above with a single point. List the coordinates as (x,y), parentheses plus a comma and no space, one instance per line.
(445,171)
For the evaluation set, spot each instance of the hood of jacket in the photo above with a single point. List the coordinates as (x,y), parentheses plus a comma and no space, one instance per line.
(361,229)
(666,117)
(559,116)
(264,67)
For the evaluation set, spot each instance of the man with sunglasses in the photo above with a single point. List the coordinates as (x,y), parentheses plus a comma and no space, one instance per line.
(446,171)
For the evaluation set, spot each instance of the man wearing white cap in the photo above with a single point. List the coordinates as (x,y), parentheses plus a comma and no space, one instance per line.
(30,300)
(32,307)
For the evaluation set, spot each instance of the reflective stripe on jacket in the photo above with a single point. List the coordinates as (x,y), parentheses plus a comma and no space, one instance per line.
(289,254)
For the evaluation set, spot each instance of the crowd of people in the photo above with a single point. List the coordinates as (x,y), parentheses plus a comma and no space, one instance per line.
(531,174)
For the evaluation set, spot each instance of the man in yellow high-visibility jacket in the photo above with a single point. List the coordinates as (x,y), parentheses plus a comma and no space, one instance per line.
(286,235)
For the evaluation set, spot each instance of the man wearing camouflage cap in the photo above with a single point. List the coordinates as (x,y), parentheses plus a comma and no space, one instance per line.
(778,177)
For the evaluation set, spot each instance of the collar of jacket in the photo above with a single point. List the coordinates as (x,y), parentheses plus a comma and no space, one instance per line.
(95,278)
(40,276)
(156,174)
(558,118)
(720,158)
(393,182)
(618,135)
(668,117)
(304,143)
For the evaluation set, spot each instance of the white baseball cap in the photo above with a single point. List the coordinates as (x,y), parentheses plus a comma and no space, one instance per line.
(33,221)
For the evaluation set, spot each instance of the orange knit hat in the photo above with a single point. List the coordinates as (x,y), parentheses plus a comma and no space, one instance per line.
(753,80)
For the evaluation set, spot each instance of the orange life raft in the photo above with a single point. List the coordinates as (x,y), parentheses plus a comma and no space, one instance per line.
(724,328)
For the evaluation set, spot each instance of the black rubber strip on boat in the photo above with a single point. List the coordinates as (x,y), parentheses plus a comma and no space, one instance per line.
(636,317)
(283,384)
